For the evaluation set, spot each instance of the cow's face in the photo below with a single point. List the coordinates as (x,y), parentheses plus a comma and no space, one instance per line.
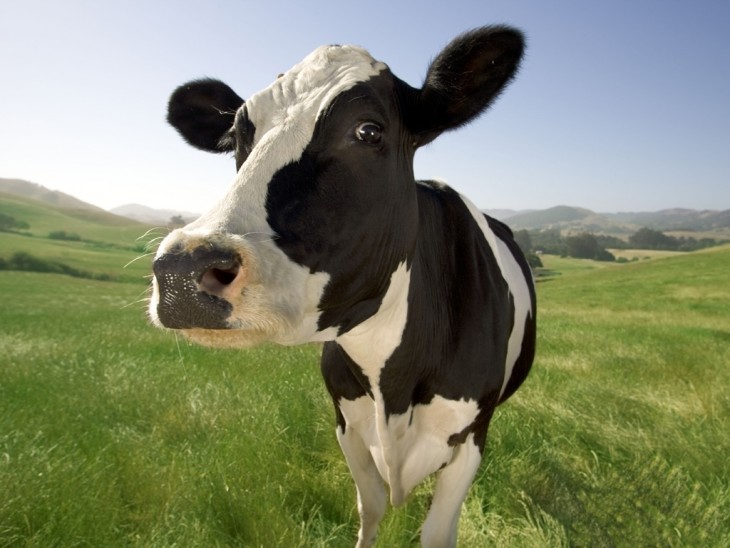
(323,208)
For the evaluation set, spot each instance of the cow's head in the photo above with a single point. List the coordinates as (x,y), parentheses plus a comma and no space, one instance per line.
(323,209)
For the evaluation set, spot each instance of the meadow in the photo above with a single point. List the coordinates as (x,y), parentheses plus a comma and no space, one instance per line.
(113,433)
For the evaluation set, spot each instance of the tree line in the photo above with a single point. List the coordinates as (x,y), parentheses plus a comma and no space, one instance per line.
(586,245)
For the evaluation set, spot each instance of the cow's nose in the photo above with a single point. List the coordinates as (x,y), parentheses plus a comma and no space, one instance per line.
(211,269)
(193,285)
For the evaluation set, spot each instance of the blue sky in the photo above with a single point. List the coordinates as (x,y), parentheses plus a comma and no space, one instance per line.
(619,106)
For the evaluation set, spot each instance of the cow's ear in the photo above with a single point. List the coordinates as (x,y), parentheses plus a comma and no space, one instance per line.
(464,80)
(203,112)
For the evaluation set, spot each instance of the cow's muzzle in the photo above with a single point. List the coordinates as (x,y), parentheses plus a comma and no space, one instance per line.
(193,287)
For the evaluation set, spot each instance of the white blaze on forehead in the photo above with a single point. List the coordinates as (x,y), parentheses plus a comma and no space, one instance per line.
(284,115)
(309,87)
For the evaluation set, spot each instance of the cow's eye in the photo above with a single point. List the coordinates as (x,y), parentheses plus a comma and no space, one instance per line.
(369,132)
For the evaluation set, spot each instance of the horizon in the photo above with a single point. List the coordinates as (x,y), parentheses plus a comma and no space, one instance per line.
(489,210)
(617,107)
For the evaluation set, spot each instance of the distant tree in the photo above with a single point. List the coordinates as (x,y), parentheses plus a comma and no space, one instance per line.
(646,238)
(585,246)
(524,241)
(548,241)
(176,221)
(613,242)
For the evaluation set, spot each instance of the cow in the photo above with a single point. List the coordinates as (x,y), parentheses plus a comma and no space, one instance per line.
(424,305)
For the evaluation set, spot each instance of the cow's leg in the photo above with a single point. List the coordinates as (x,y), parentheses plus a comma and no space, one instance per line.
(371,495)
(441,525)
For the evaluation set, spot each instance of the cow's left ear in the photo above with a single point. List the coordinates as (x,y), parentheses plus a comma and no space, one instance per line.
(464,80)
(203,112)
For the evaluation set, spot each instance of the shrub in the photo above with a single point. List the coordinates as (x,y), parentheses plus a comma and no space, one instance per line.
(11,223)
(63,235)
(29,263)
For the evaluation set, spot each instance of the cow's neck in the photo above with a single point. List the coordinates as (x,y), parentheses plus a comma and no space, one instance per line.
(373,341)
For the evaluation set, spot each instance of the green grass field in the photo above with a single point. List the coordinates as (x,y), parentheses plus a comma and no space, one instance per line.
(109,246)
(113,433)
(89,225)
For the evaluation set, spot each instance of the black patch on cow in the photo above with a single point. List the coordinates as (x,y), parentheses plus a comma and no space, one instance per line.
(347,207)
(459,312)
(240,137)
(343,377)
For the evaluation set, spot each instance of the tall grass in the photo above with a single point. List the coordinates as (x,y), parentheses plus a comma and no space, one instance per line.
(113,433)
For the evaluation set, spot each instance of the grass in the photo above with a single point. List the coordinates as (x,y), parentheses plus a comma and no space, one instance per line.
(113,433)
(129,264)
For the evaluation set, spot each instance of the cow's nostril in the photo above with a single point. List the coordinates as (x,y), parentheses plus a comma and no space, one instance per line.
(225,275)
(216,278)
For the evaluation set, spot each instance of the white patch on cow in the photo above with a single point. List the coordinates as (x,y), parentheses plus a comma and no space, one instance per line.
(280,299)
(372,341)
(440,528)
(406,448)
(273,304)
(518,287)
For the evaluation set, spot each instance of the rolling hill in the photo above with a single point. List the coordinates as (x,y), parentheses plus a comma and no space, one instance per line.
(26,189)
(88,223)
(150,215)
(563,217)
(575,219)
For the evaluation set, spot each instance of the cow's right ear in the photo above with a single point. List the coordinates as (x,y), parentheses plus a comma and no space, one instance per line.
(464,80)
(203,111)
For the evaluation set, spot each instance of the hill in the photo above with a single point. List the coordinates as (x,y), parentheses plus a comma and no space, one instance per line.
(575,219)
(570,219)
(150,215)
(26,189)
(676,219)
(89,223)
(84,242)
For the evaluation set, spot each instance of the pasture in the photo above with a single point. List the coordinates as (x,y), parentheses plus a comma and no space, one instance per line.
(114,433)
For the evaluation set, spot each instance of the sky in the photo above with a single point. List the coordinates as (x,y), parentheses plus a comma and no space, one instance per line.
(618,106)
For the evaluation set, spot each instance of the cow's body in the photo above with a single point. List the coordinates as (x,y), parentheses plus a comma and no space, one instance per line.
(426,306)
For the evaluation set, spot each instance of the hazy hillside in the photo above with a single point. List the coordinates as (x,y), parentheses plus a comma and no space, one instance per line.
(676,219)
(504,214)
(575,219)
(570,219)
(150,215)
(564,218)
(89,224)
(19,187)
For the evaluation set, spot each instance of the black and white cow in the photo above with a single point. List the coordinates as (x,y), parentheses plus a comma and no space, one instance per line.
(426,306)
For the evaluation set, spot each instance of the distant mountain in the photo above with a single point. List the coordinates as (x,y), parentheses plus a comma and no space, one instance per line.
(569,219)
(564,218)
(677,219)
(19,187)
(152,216)
(575,219)
(504,214)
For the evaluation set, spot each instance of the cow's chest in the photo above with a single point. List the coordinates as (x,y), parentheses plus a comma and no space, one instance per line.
(408,447)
